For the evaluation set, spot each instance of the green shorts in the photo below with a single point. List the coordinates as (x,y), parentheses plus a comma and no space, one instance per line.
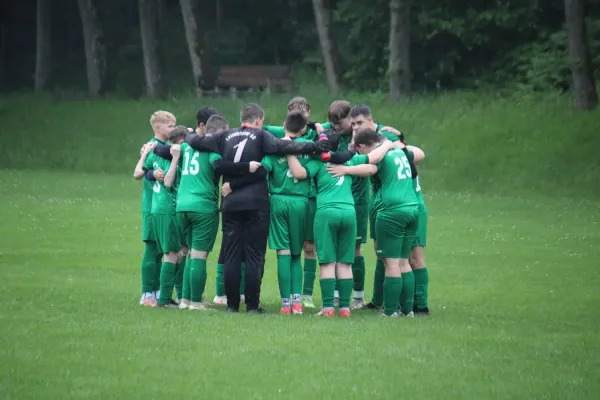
(421,234)
(199,230)
(372,218)
(335,235)
(167,232)
(287,225)
(362,221)
(395,230)
(310,219)
(147,230)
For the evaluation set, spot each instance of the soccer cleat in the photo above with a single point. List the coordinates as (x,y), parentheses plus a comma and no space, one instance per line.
(421,311)
(233,310)
(172,304)
(285,311)
(344,313)
(220,300)
(297,309)
(409,315)
(307,302)
(184,304)
(258,310)
(329,312)
(197,306)
(371,306)
(357,304)
(150,301)
(394,315)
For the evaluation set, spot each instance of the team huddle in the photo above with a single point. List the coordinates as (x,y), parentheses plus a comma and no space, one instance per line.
(329,186)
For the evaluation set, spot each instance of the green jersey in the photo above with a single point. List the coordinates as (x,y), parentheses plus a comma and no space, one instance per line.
(396,181)
(199,188)
(163,198)
(279,131)
(281,180)
(147,190)
(333,192)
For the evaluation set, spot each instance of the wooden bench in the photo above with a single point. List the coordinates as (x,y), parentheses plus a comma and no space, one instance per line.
(276,78)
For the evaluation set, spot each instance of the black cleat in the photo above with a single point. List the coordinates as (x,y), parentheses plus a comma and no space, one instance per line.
(259,310)
(371,306)
(421,311)
(233,309)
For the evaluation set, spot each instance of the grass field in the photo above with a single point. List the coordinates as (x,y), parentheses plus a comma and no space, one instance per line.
(514,294)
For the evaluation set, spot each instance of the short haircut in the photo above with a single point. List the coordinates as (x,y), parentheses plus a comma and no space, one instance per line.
(204,114)
(215,124)
(178,133)
(366,137)
(360,109)
(251,112)
(295,121)
(299,103)
(338,110)
(161,117)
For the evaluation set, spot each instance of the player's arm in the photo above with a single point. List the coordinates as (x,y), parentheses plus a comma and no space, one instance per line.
(139,171)
(364,170)
(222,167)
(297,170)
(418,154)
(163,151)
(377,155)
(210,143)
(341,157)
(271,145)
(248,179)
(172,172)
(277,131)
(394,131)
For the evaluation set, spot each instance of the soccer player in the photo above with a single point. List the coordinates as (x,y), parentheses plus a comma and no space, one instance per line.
(289,208)
(417,253)
(245,211)
(165,226)
(335,227)
(162,123)
(202,117)
(395,223)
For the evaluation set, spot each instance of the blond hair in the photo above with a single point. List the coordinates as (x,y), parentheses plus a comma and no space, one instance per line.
(161,117)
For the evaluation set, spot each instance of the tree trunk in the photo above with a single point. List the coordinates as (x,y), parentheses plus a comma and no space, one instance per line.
(584,83)
(43,56)
(195,41)
(153,68)
(95,52)
(399,47)
(327,45)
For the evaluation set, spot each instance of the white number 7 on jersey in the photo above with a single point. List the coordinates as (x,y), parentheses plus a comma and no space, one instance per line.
(239,150)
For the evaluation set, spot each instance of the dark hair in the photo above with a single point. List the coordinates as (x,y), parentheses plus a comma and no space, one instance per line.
(204,114)
(298,103)
(366,137)
(178,133)
(360,109)
(215,124)
(251,112)
(295,121)
(338,110)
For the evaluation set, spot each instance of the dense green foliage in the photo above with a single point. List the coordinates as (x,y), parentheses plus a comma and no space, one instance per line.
(455,43)
(474,142)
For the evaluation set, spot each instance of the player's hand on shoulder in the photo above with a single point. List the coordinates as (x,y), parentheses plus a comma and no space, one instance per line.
(254,165)
(175,150)
(336,170)
(322,146)
(225,189)
(399,144)
(159,175)
(319,128)
(148,147)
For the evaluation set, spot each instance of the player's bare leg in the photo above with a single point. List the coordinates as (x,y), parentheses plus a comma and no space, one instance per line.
(310,272)
(346,282)
(327,280)
(392,286)
(358,274)
(197,277)
(407,296)
(417,263)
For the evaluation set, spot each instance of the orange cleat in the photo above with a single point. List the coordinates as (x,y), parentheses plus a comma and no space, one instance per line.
(344,313)
(330,312)
(297,309)
(285,311)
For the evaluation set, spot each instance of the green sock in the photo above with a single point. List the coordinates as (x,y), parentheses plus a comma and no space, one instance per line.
(157,267)
(358,272)
(408,292)
(149,267)
(284,275)
(310,273)
(421,287)
(392,287)
(296,273)
(167,281)
(378,283)
(220,280)
(186,290)
(179,278)
(243,280)
(345,291)
(327,288)
(197,279)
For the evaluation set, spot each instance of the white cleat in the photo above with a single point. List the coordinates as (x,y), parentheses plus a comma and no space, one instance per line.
(357,304)
(198,307)
(409,315)
(220,300)
(394,315)
(184,304)
(307,302)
